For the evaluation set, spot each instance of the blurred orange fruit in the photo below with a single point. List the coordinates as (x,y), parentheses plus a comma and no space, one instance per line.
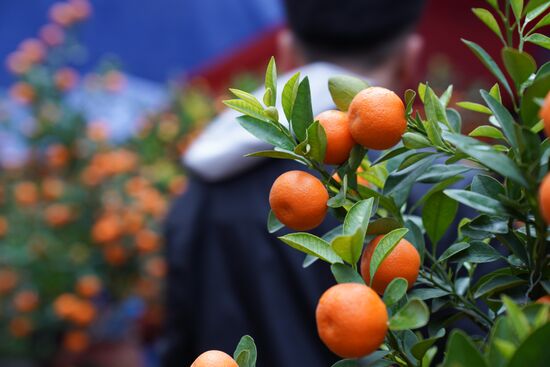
(25,301)
(156,267)
(544,198)
(544,113)
(26,193)
(299,200)
(339,140)
(98,131)
(22,92)
(81,9)
(57,156)
(3,226)
(115,254)
(17,64)
(33,50)
(65,79)
(88,286)
(107,229)
(76,341)
(65,305)
(544,299)
(20,326)
(62,14)
(402,262)
(377,118)
(147,241)
(58,215)
(352,320)
(52,188)
(52,34)
(214,358)
(8,280)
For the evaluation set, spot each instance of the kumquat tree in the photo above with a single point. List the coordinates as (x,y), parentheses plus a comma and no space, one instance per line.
(400,288)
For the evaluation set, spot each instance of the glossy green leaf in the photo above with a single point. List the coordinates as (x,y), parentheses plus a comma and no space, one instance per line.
(273,224)
(487,131)
(518,320)
(441,172)
(277,154)
(503,116)
(395,291)
(478,252)
(476,107)
(245,354)
(317,141)
(271,81)
(311,245)
(247,97)
(534,13)
(545,21)
(477,201)
(517,8)
(461,352)
(487,156)
(435,111)
(487,185)
(302,113)
(266,131)
(529,109)
(419,349)
(290,90)
(343,88)
(453,250)
(384,248)
(539,40)
(246,108)
(533,351)
(413,315)
(345,274)
(437,215)
(349,246)
(428,293)
(358,216)
(496,284)
(520,65)
(488,19)
(489,63)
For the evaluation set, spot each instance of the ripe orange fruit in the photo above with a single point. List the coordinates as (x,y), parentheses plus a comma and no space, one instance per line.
(402,262)
(544,114)
(352,320)
(299,200)
(88,286)
(544,299)
(58,215)
(26,193)
(107,229)
(65,305)
(76,341)
(544,198)
(52,188)
(339,140)
(8,280)
(22,92)
(377,118)
(25,301)
(147,241)
(33,50)
(83,314)
(214,358)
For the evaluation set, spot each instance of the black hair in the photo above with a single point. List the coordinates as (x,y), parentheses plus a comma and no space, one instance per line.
(351,27)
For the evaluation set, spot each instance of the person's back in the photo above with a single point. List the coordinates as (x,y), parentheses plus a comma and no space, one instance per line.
(227,276)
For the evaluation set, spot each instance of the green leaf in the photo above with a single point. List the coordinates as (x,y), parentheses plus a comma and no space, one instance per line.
(382,226)
(446,96)
(302,114)
(503,116)
(268,96)
(453,250)
(532,14)
(245,354)
(487,131)
(533,351)
(384,248)
(273,224)
(488,19)
(247,97)
(437,215)
(543,22)
(339,199)
(487,156)
(454,118)
(415,141)
(317,141)
(398,186)
(518,320)
(485,227)
(529,109)
(277,154)
(520,65)
(289,95)
(344,274)
(349,246)
(395,291)
(422,91)
(441,172)
(477,201)
(435,111)
(495,284)
(410,95)
(495,93)
(311,245)
(358,216)
(266,131)
(493,3)
(428,293)
(246,108)
(413,315)
(419,349)
(343,88)
(271,82)
(487,185)
(476,107)
(539,40)
(478,252)
(489,63)
(517,8)
(461,352)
